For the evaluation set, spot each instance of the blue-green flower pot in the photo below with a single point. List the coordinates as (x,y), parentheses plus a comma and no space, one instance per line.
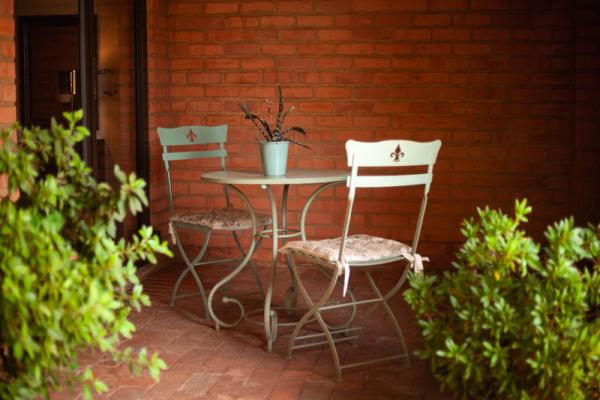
(273,156)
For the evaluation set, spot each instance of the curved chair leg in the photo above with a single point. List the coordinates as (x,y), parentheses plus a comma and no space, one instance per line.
(392,291)
(352,302)
(314,310)
(190,268)
(390,315)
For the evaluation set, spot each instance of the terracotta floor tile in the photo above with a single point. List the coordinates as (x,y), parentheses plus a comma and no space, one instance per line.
(232,364)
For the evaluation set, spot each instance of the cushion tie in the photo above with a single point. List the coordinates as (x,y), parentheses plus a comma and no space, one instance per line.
(343,267)
(416,261)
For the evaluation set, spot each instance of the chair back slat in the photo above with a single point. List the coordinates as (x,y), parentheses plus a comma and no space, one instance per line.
(186,135)
(377,181)
(194,155)
(173,140)
(392,153)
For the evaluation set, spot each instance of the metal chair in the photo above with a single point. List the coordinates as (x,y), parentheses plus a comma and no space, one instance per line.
(227,219)
(338,257)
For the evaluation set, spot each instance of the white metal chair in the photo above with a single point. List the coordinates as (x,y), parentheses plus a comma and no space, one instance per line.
(338,257)
(227,219)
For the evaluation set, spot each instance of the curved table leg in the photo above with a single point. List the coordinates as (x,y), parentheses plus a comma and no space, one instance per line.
(237,270)
(290,299)
(270,316)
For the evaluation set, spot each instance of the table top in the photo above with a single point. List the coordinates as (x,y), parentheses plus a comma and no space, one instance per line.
(292,177)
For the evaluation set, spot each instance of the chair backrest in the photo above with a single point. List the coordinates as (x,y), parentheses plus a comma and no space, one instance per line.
(175,140)
(389,153)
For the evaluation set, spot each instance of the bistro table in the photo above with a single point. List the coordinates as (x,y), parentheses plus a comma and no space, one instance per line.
(323,177)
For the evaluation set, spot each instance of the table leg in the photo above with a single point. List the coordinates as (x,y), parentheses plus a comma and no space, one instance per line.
(270,316)
(235,272)
(290,299)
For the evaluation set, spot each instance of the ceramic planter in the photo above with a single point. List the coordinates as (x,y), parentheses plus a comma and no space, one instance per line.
(274,156)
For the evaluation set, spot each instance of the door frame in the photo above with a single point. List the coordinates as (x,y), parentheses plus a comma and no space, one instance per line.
(88,89)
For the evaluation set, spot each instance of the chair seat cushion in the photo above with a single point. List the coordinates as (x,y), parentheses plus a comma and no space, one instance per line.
(359,249)
(228,218)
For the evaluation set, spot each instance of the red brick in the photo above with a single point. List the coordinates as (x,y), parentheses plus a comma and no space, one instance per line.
(317,21)
(371,92)
(204,77)
(241,77)
(248,7)
(372,63)
(206,50)
(257,63)
(398,48)
(333,63)
(333,92)
(278,48)
(297,34)
(489,4)
(241,49)
(334,34)
(432,19)
(278,21)
(451,34)
(185,8)
(294,7)
(310,48)
(432,48)
(410,63)
(391,77)
(472,49)
(222,63)
(413,5)
(412,34)
(354,77)
(221,8)
(371,5)
(449,4)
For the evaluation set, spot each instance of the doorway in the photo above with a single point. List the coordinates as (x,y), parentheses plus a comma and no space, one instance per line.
(49,80)
(62,67)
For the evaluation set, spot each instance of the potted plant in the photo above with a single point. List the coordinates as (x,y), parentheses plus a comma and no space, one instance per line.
(276,140)
(515,320)
(67,282)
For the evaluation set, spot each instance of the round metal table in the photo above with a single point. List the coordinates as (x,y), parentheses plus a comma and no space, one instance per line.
(322,177)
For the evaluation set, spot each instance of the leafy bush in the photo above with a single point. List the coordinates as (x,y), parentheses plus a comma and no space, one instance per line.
(66,283)
(515,321)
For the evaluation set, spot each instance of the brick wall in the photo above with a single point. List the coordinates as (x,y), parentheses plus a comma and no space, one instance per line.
(7,71)
(495,80)
(586,167)
(159,103)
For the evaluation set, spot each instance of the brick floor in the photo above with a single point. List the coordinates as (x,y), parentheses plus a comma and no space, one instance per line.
(233,363)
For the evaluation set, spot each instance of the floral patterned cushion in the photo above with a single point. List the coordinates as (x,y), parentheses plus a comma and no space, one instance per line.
(228,218)
(359,248)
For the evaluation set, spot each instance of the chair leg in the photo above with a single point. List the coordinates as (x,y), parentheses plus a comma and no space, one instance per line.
(392,291)
(352,303)
(190,268)
(314,310)
(390,315)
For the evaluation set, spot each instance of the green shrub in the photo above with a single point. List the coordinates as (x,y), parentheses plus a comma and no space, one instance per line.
(514,321)
(66,283)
